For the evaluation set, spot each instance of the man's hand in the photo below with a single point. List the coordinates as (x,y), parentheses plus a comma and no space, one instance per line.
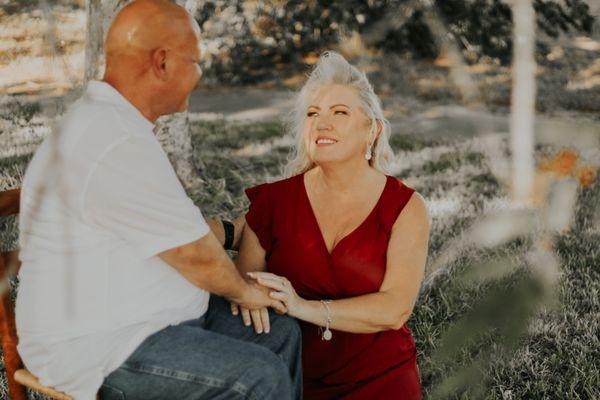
(255,297)
(257,317)
(280,289)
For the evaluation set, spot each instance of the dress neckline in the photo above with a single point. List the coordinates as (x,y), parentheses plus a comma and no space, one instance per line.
(353,231)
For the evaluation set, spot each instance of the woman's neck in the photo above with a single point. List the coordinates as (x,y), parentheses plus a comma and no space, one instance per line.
(342,178)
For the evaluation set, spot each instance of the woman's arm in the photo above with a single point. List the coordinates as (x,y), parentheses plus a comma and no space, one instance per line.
(251,255)
(390,307)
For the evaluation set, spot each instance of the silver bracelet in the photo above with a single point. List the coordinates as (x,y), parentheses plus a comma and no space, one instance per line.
(326,334)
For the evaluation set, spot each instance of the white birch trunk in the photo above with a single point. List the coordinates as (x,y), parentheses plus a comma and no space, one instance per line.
(172,131)
(523,101)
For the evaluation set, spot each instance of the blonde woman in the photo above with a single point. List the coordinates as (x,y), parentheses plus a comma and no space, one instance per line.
(342,244)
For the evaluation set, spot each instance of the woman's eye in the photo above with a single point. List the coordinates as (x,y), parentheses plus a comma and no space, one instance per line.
(311,114)
(342,112)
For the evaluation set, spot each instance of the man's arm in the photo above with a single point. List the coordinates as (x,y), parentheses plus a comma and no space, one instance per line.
(206,265)
(216,226)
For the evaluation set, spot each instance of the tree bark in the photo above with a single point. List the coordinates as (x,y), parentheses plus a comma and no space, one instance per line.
(172,131)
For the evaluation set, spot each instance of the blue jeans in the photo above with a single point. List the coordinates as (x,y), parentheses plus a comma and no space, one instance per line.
(213,357)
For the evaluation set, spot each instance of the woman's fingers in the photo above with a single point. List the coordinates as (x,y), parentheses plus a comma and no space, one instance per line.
(276,284)
(235,310)
(256,319)
(246,316)
(280,298)
(272,281)
(264,318)
(283,297)
(279,307)
(262,274)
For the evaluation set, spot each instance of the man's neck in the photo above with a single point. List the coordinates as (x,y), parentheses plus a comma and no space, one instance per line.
(137,98)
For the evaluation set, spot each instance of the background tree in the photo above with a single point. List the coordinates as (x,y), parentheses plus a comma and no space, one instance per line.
(251,39)
(172,131)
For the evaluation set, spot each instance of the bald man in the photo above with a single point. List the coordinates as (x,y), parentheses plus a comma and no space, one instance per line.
(123,284)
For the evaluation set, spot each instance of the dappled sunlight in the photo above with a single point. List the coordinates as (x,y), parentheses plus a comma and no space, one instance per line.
(587,78)
(441,208)
(29,62)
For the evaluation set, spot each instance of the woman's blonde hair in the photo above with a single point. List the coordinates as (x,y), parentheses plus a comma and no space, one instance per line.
(332,68)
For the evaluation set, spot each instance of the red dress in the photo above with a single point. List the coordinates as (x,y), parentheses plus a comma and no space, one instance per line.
(350,366)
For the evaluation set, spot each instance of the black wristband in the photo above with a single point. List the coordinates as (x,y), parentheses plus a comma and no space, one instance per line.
(229,230)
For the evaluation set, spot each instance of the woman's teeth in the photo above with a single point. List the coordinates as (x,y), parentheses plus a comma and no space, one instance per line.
(326,141)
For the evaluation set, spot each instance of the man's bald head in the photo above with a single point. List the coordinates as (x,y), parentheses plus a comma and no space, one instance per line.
(152,52)
(145,25)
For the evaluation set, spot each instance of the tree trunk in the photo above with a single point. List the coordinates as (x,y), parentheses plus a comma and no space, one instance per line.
(523,101)
(172,131)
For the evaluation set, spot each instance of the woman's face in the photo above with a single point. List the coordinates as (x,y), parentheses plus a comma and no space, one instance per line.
(336,129)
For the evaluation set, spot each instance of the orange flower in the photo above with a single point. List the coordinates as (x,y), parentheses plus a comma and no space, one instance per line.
(567,160)
(586,175)
(562,164)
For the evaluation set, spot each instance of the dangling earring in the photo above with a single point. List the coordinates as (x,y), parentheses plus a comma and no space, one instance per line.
(368,154)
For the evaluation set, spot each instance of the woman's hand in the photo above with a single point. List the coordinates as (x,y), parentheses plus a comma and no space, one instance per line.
(259,318)
(283,291)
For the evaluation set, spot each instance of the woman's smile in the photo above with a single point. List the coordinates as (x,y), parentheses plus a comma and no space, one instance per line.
(324,141)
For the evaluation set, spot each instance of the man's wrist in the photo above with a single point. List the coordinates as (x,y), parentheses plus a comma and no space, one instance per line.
(228,233)
(244,292)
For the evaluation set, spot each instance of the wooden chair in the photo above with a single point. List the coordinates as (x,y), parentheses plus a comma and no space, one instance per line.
(18,377)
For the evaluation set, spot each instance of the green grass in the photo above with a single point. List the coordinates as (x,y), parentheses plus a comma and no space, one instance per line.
(526,347)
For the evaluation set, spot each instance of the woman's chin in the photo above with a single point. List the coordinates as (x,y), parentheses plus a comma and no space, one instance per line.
(322,159)
(332,161)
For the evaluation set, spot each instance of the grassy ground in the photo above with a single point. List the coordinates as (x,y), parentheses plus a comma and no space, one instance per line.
(554,355)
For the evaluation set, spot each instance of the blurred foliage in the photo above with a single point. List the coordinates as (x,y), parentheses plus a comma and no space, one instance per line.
(248,39)
(19,113)
(13,6)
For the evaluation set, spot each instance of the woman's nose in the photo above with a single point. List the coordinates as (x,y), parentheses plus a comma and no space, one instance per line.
(323,124)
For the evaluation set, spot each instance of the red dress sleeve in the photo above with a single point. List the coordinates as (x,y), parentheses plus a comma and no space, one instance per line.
(393,204)
(260,214)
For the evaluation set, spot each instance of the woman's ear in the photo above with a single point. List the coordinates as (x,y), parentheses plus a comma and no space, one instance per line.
(159,63)
(379,128)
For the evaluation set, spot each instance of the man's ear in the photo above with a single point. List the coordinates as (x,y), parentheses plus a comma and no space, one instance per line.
(159,63)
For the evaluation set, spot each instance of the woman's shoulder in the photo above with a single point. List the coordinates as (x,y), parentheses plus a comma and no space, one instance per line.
(411,205)
(275,189)
(398,189)
(401,201)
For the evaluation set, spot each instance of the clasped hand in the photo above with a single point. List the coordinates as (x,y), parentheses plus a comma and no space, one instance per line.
(280,290)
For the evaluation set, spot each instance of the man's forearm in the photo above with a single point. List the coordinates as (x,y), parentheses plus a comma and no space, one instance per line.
(206,265)
(220,278)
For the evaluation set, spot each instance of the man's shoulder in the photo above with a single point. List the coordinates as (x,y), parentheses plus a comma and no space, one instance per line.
(93,127)
(94,115)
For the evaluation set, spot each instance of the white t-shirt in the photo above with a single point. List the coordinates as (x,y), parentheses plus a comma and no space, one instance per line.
(99,202)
